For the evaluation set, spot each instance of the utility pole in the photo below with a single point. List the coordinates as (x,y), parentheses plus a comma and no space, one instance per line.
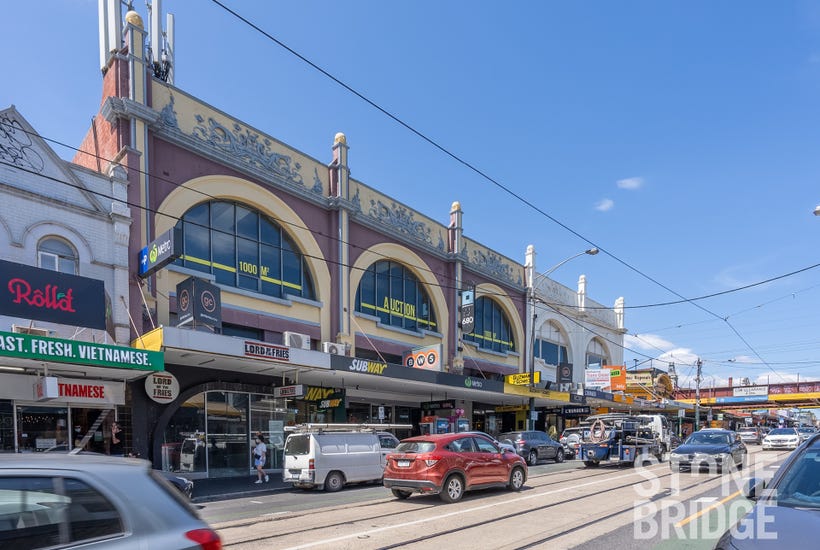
(697,396)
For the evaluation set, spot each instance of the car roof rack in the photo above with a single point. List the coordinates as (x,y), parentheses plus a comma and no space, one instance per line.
(320,428)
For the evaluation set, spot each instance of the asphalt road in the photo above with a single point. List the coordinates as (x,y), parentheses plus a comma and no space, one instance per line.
(562,506)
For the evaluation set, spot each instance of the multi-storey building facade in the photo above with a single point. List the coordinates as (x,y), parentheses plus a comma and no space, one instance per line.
(294,292)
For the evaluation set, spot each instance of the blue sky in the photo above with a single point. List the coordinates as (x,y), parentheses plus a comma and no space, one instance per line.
(681,138)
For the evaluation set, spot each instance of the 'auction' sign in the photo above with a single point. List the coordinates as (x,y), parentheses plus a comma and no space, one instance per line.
(46,295)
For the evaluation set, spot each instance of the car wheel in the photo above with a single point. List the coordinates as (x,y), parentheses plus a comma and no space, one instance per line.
(403,495)
(334,482)
(516,479)
(591,463)
(559,457)
(532,458)
(453,489)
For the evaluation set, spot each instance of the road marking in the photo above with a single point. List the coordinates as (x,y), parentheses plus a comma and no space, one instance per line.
(257,502)
(276,513)
(683,522)
(459,512)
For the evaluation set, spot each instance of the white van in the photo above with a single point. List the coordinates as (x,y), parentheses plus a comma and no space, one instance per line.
(328,456)
(661,428)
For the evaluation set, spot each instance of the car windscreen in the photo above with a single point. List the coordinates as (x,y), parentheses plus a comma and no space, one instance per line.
(297,444)
(415,447)
(800,486)
(782,431)
(708,439)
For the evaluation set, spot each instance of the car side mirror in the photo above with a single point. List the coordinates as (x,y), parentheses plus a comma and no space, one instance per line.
(753,487)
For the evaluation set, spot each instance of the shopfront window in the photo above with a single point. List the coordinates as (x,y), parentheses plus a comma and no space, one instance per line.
(184,446)
(227,438)
(6,426)
(391,292)
(212,432)
(243,248)
(42,428)
(492,329)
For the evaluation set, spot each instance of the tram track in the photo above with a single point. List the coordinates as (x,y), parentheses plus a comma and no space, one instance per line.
(418,504)
(557,481)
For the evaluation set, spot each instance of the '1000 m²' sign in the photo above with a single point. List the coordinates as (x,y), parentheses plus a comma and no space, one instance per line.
(41,348)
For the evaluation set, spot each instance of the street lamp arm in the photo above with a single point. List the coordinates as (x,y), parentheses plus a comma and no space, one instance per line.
(532,301)
(539,276)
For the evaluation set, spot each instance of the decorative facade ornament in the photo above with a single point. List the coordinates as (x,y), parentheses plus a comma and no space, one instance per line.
(356,201)
(493,264)
(16,146)
(400,219)
(248,148)
(168,116)
(317,183)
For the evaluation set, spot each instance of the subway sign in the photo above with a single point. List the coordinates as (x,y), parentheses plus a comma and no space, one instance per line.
(41,348)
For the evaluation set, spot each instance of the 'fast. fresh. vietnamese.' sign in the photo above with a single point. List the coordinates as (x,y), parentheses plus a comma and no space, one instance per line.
(42,348)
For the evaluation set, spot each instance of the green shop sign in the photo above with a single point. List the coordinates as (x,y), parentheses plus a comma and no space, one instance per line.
(41,348)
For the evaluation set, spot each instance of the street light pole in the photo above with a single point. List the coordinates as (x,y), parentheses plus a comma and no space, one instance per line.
(531,299)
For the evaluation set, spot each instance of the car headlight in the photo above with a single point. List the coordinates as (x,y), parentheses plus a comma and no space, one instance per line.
(676,455)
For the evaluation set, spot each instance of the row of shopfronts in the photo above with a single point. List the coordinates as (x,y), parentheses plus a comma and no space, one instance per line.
(192,420)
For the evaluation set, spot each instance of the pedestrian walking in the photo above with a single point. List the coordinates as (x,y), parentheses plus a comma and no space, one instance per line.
(260,453)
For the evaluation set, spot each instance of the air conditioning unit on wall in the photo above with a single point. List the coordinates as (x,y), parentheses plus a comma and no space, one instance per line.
(334,348)
(296,340)
(34,331)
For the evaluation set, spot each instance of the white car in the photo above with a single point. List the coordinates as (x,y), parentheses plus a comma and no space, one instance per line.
(781,438)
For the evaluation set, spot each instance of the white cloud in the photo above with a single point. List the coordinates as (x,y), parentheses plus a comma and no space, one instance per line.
(604,205)
(630,183)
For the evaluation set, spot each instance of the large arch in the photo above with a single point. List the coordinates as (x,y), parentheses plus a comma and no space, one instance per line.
(565,335)
(219,187)
(600,341)
(500,296)
(413,262)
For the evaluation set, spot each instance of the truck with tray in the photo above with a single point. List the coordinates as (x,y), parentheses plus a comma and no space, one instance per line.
(619,439)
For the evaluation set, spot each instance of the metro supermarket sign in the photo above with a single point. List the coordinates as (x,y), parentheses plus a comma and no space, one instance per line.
(41,348)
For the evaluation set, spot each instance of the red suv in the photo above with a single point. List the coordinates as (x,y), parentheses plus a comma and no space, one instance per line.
(449,464)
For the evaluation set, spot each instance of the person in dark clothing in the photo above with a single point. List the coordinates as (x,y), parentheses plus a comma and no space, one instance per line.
(117,435)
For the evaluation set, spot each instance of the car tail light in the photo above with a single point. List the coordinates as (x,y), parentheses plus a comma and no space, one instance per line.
(521,443)
(432,460)
(311,464)
(207,539)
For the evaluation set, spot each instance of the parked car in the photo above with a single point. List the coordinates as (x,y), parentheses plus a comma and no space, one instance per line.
(785,514)
(571,441)
(58,500)
(183,485)
(494,440)
(450,464)
(327,460)
(781,438)
(805,432)
(534,446)
(712,448)
(751,434)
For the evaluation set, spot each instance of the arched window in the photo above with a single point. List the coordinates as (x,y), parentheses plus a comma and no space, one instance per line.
(391,292)
(550,345)
(492,329)
(57,255)
(596,354)
(242,247)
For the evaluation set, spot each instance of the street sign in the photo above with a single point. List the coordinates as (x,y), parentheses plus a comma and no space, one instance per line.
(467,311)
(160,252)
(522,379)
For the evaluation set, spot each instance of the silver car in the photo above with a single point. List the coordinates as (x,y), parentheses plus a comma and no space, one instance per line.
(94,501)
